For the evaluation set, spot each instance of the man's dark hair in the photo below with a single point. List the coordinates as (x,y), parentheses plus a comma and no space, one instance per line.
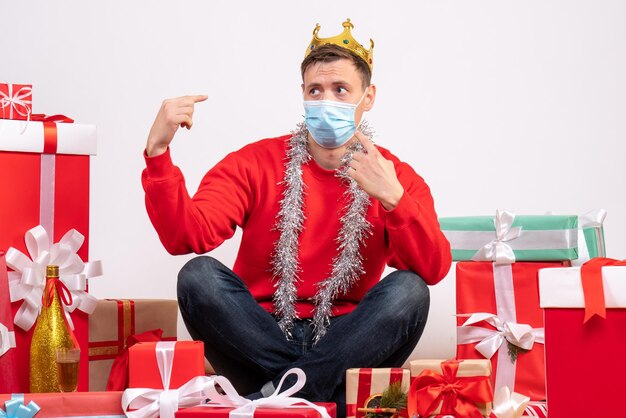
(331,53)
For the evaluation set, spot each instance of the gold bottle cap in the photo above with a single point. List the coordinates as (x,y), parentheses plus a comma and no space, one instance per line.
(52,271)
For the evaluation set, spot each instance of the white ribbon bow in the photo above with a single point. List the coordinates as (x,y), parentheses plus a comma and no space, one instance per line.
(498,250)
(7,339)
(152,403)
(15,100)
(507,404)
(244,408)
(28,280)
(521,335)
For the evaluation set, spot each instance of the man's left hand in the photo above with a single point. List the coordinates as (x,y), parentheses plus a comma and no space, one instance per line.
(375,174)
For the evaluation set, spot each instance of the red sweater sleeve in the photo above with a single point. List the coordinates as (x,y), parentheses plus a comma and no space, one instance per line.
(199,224)
(416,242)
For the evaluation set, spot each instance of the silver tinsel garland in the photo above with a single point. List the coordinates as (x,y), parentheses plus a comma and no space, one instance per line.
(347,266)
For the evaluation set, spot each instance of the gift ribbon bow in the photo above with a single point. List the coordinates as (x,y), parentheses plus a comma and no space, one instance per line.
(593,288)
(498,250)
(16,102)
(28,281)
(15,408)
(7,339)
(152,403)
(457,395)
(507,404)
(522,335)
(244,408)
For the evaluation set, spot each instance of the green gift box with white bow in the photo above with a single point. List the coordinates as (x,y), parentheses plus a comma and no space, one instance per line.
(507,238)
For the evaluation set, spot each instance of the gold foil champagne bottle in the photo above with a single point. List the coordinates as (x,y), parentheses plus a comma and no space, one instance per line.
(51,333)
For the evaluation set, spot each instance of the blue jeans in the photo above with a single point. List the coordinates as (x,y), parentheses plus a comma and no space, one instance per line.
(244,343)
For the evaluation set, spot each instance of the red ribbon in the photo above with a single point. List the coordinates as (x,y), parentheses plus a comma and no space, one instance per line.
(458,396)
(50,129)
(593,289)
(48,292)
(118,379)
(40,117)
(65,297)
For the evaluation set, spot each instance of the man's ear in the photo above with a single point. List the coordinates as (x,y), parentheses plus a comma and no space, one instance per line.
(370,97)
(302,85)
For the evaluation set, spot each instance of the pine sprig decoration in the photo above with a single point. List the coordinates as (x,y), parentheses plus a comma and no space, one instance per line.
(514,351)
(392,397)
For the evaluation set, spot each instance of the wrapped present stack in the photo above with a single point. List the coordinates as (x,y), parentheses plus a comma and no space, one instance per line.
(116,325)
(497,291)
(44,218)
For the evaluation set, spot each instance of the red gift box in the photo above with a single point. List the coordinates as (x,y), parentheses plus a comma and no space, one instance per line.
(584,359)
(44,184)
(16,101)
(77,404)
(188,362)
(511,293)
(215,412)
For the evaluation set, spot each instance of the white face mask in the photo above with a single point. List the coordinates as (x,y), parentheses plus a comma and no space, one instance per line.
(330,123)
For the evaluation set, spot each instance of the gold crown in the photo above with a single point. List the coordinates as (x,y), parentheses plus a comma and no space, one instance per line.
(344,40)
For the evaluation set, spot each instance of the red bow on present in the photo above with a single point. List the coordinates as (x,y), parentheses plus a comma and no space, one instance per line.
(593,289)
(458,396)
(118,379)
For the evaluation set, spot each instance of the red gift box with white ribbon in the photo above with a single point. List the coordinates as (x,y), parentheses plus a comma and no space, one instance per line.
(585,322)
(44,166)
(499,318)
(16,101)
(166,377)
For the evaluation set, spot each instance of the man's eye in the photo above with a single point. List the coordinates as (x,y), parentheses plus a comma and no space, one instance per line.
(313,92)
(341,90)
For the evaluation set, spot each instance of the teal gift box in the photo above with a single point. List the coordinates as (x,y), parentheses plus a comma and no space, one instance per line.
(507,238)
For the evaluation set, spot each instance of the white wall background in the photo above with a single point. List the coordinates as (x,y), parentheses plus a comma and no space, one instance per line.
(498,104)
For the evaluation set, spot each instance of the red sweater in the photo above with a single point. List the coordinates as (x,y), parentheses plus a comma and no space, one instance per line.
(243,191)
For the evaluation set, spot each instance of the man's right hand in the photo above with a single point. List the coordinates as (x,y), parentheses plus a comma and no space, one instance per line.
(172,114)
